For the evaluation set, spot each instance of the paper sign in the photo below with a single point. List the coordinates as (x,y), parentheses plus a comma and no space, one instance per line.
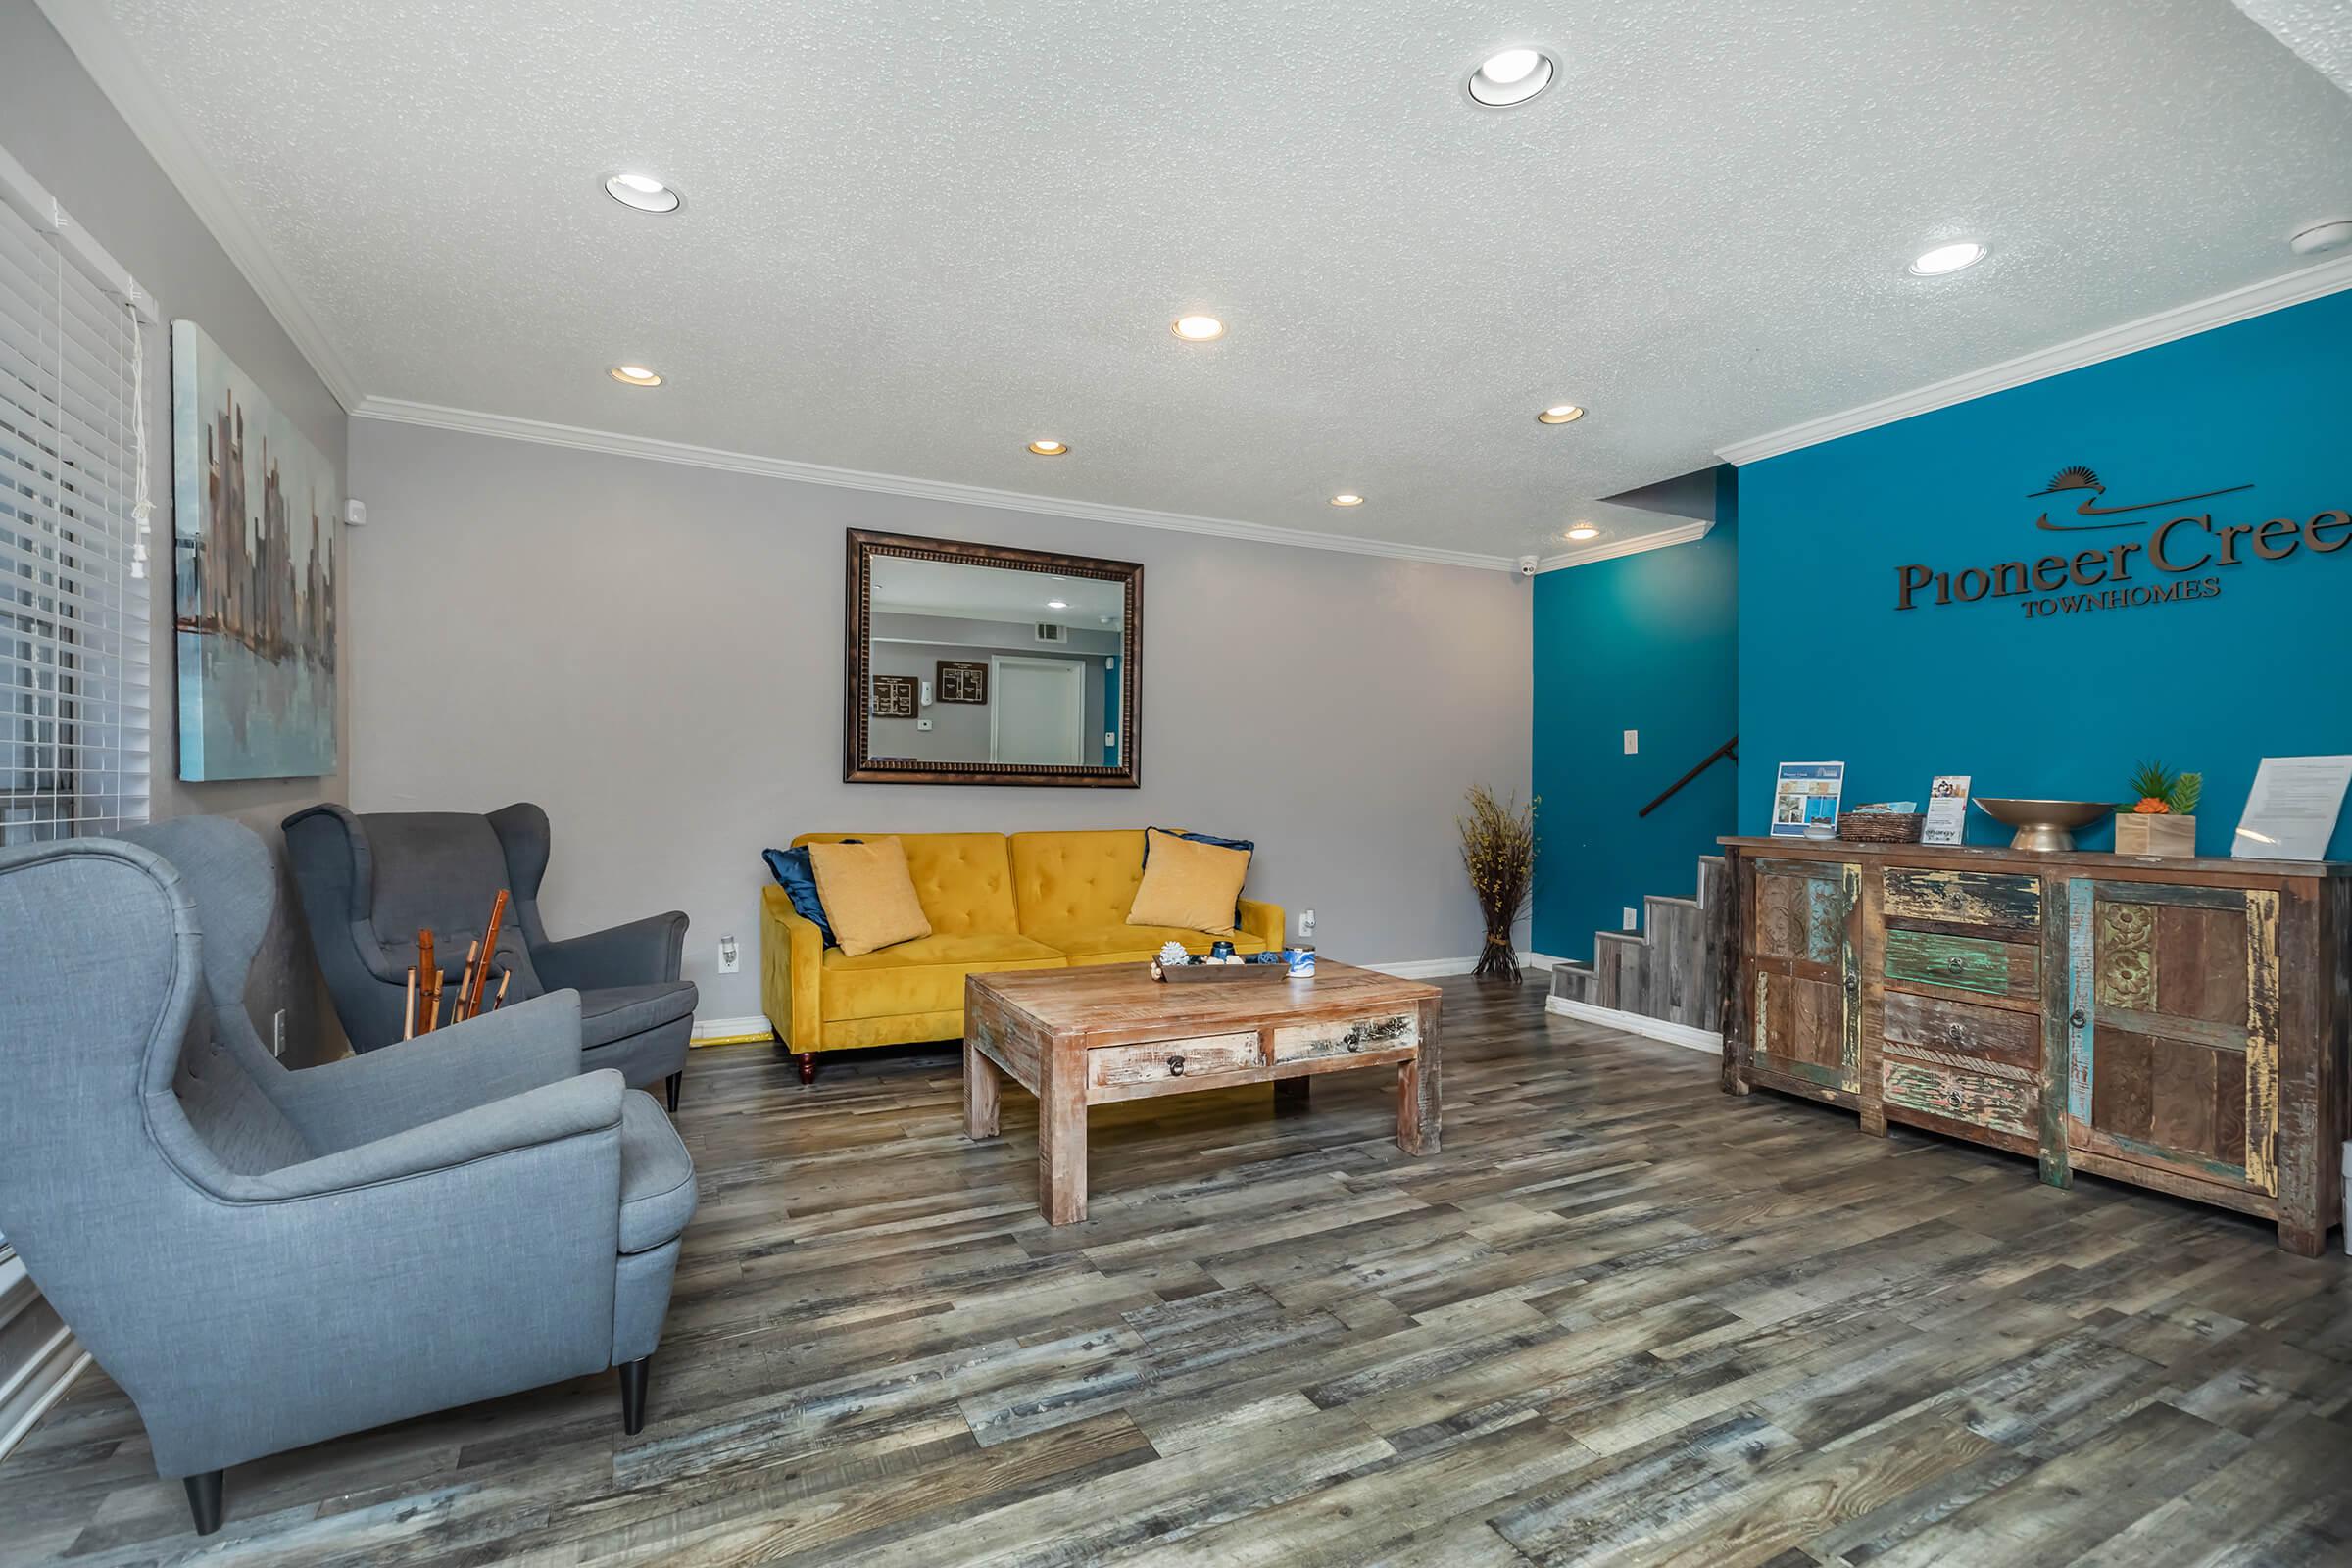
(2290,815)
(1806,792)
(1948,810)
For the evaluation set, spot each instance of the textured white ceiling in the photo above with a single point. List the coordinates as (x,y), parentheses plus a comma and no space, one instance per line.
(916,236)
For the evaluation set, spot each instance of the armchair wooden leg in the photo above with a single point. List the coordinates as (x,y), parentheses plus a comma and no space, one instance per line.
(675,1079)
(633,1395)
(807,1067)
(204,1500)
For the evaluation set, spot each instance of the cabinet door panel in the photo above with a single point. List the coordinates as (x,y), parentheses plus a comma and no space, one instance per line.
(2172,1036)
(1805,1019)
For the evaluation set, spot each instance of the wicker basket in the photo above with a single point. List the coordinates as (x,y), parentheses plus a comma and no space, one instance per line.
(1880,827)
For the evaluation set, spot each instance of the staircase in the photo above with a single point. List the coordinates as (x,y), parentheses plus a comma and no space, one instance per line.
(1670,970)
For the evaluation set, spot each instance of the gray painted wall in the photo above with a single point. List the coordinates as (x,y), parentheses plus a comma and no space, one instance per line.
(56,122)
(654,652)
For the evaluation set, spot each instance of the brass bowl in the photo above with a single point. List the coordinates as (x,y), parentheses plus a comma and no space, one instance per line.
(2042,825)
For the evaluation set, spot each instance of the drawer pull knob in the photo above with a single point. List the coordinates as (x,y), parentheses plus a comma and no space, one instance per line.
(1854,985)
(1175,1066)
(2078,1018)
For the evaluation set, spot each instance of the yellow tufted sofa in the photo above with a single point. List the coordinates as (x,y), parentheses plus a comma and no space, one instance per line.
(1027,900)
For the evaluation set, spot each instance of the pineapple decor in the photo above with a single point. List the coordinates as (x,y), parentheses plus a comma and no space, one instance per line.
(2161,819)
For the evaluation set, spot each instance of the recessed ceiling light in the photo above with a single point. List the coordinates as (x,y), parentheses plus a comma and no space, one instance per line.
(2320,238)
(1582,531)
(1512,77)
(1058,603)
(1049,448)
(1948,259)
(643,192)
(1560,413)
(1198,328)
(633,375)
(1347,497)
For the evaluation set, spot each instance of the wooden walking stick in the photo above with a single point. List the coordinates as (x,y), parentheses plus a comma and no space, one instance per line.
(500,1000)
(408,1028)
(429,968)
(481,977)
(463,1010)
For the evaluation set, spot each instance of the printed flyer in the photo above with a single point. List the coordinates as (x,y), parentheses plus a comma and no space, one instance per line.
(1807,793)
(1948,810)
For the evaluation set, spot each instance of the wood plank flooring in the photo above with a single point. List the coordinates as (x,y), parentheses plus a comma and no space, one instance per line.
(1622,1318)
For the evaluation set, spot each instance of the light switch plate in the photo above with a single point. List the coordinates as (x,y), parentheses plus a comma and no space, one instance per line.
(1633,921)
(1632,742)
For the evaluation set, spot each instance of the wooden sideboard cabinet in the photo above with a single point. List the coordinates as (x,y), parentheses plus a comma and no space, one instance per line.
(2176,1023)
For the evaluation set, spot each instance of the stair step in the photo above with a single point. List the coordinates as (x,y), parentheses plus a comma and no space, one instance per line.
(1670,969)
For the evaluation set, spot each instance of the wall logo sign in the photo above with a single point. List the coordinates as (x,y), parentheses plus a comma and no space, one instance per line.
(2177,555)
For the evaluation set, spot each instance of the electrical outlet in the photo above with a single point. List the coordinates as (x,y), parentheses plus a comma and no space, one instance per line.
(278,1033)
(1632,742)
(730,956)
(1633,921)
(1306,923)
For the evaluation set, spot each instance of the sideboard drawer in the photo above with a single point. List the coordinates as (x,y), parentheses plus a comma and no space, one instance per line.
(1302,1041)
(1964,963)
(2008,1106)
(1202,1056)
(1963,897)
(2007,1040)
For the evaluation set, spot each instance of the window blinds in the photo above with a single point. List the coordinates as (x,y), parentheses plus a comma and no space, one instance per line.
(74,526)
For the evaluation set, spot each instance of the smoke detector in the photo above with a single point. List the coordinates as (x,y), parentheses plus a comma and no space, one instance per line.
(2322,237)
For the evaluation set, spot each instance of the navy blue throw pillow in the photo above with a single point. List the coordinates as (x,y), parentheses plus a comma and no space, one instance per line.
(792,869)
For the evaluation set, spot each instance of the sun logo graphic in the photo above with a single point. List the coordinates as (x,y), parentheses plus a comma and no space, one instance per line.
(2079,480)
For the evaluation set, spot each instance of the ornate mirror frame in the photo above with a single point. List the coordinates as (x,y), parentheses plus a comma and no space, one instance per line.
(864,547)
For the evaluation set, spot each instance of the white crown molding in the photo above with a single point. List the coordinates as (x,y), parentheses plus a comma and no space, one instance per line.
(1609,550)
(1634,1023)
(508,427)
(90,34)
(2164,326)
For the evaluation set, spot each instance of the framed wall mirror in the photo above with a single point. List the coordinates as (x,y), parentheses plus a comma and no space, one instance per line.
(983,664)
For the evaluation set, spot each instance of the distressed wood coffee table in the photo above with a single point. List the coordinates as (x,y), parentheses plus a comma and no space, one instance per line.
(1091,1036)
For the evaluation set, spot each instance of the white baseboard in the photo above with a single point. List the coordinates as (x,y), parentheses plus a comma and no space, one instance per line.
(1438,968)
(708,1030)
(1633,1024)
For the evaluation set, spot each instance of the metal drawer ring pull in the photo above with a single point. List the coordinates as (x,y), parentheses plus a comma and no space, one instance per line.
(1175,1066)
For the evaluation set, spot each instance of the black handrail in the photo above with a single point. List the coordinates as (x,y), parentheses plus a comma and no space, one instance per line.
(1728,749)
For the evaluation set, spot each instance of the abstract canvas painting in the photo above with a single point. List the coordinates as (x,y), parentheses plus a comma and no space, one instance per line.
(256,522)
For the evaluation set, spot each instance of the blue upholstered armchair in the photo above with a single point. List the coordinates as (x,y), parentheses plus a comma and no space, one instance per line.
(264,1258)
(369,883)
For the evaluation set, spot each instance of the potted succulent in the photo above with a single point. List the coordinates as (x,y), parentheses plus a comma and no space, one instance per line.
(2161,819)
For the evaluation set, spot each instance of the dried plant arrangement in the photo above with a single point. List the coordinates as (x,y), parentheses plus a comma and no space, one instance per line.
(1498,851)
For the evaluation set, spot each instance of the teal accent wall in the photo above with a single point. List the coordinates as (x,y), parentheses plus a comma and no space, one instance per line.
(2056,704)
(1649,643)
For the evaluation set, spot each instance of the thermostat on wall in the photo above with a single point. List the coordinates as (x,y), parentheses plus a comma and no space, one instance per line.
(355,513)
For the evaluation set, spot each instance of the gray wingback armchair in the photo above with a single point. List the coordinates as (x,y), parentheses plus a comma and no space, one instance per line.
(369,883)
(264,1258)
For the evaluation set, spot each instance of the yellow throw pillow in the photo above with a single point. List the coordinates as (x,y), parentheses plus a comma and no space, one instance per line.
(1189,884)
(868,896)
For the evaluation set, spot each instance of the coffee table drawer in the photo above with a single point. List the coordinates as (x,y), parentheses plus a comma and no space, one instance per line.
(1202,1056)
(1304,1042)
